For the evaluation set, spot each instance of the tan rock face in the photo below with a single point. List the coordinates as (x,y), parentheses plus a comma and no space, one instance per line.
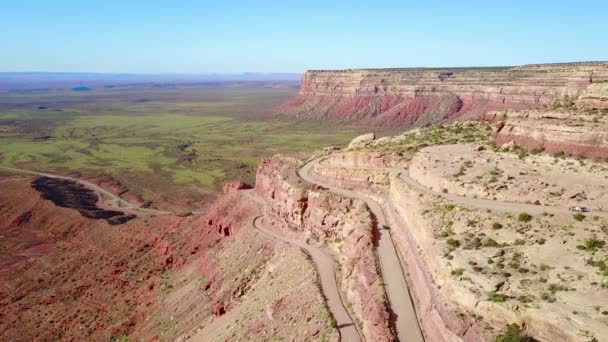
(575,131)
(595,96)
(405,97)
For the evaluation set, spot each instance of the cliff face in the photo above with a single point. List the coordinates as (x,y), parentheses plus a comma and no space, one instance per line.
(406,97)
(575,126)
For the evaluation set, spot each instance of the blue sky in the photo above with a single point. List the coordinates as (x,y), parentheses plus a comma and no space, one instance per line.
(180,36)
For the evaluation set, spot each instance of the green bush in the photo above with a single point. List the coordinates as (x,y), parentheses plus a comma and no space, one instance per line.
(579,217)
(490,243)
(513,333)
(524,217)
(592,244)
(458,272)
(497,297)
(453,243)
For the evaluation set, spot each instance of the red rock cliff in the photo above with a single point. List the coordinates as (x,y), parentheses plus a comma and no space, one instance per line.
(406,97)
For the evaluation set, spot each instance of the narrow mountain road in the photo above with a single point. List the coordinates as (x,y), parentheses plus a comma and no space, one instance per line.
(93,187)
(327,275)
(475,203)
(406,322)
(480,203)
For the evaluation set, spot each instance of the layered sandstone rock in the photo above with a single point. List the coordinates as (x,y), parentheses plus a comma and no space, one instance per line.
(574,132)
(406,97)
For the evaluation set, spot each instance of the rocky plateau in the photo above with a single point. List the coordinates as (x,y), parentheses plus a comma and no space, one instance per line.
(419,97)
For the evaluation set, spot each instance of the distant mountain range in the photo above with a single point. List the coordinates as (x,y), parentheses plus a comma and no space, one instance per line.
(22,81)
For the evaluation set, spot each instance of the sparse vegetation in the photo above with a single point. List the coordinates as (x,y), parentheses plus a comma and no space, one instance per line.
(579,217)
(592,244)
(497,297)
(513,333)
(458,272)
(453,243)
(524,217)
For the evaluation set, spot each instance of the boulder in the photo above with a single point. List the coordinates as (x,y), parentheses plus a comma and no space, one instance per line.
(361,140)
(234,186)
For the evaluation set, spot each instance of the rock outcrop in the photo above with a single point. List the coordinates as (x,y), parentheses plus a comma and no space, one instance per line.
(361,140)
(407,97)
(555,132)
(571,125)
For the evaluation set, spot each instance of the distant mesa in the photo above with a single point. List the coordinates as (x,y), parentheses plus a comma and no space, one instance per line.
(424,96)
(81,88)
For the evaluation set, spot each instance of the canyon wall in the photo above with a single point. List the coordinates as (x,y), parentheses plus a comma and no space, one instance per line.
(342,224)
(408,97)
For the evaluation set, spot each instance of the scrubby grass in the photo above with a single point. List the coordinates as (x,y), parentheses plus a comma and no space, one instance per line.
(202,137)
(459,133)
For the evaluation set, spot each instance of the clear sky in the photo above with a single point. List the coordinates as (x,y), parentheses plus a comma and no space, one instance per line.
(291,36)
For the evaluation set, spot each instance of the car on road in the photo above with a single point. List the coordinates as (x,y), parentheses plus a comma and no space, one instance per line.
(579,209)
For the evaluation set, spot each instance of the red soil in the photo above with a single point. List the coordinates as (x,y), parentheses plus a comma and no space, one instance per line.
(67,277)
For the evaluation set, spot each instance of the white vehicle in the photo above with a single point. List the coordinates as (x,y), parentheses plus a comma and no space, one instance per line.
(579,209)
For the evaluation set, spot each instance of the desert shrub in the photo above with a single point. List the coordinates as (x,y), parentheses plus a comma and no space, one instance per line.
(592,244)
(525,299)
(475,243)
(496,172)
(490,243)
(519,242)
(513,333)
(333,322)
(524,217)
(601,265)
(496,225)
(458,272)
(557,287)
(453,243)
(579,217)
(497,297)
(537,150)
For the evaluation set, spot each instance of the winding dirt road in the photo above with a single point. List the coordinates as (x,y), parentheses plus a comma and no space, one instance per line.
(406,322)
(480,203)
(401,304)
(327,275)
(94,187)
